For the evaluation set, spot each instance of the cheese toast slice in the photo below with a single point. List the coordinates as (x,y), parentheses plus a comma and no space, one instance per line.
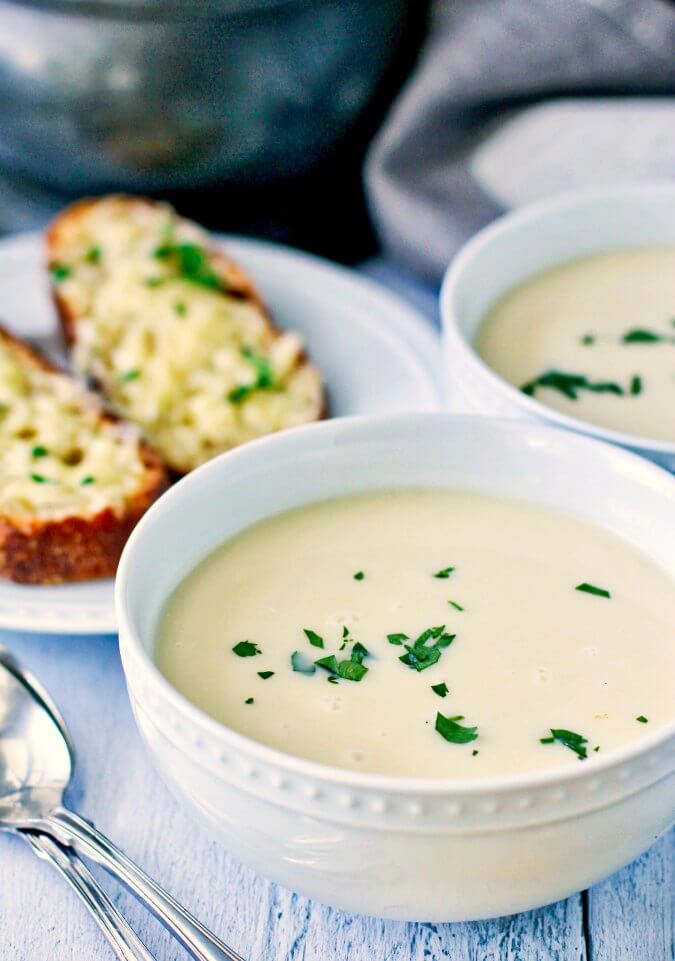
(74,480)
(172,332)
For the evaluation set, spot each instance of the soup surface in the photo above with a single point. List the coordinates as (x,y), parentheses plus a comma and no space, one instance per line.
(427,632)
(593,338)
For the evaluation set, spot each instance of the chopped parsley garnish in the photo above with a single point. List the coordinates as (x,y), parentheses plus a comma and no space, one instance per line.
(86,481)
(421,659)
(596,748)
(474,752)
(93,255)
(437,633)
(636,385)
(457,607)
(592,589)
(351,669)
(129,375)
(246,649)
(192,263)
(588,340)
(397,638)
(570,384)
(421,655)
(640,335)
(453,732)
(359,651)
(440,689)
(180,308)
(642,719)
(329,663)
(444,574)
(153,281)
(237,394)
(265,674)
(261,366)
(301,665)
(39,451)
(41,479)
(314,639)
(575,742)
(249,700)
(264,377)
(359,576)
(346,638)
(60,272)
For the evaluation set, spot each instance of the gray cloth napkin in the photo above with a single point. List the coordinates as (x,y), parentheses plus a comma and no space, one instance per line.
(516,100)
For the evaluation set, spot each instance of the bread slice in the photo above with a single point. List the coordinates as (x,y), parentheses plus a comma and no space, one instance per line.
(172,332)
(74,480)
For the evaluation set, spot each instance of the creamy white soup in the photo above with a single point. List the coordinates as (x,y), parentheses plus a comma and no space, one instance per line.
(593,338)
(427,632)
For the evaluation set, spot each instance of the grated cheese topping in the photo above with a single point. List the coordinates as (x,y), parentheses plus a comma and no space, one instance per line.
(200,369)
(58,456)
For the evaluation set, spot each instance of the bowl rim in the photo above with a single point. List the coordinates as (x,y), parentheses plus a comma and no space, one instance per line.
(514,221)
(134,654)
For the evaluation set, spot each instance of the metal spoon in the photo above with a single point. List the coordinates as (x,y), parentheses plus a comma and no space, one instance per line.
(122,938)
(36,764)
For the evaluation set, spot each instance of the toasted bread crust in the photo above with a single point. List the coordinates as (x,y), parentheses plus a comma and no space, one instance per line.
(35,550)
(72,549)
(238,283)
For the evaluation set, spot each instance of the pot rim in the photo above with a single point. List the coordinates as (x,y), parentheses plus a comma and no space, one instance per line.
(161,9)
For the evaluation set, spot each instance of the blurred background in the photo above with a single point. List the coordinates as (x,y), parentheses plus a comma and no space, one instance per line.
(341,126)
(250,115)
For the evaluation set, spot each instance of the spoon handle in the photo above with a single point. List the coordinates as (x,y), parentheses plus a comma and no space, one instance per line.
(88,840)
(122,938)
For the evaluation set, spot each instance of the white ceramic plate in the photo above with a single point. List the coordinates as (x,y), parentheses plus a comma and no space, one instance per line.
(378,356)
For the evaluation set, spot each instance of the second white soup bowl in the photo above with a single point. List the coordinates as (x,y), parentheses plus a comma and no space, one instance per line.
(514,248)
(396,847)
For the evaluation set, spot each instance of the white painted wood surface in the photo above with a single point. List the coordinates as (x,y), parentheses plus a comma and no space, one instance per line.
(632,915)
(627,918)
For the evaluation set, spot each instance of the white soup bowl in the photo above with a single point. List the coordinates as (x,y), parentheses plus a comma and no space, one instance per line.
(397,847)
(512,249)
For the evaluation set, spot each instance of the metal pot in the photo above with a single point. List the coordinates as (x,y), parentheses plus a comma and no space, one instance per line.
(152,95)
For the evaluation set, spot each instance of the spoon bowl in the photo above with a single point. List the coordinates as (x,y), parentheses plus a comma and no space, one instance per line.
(36,753)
